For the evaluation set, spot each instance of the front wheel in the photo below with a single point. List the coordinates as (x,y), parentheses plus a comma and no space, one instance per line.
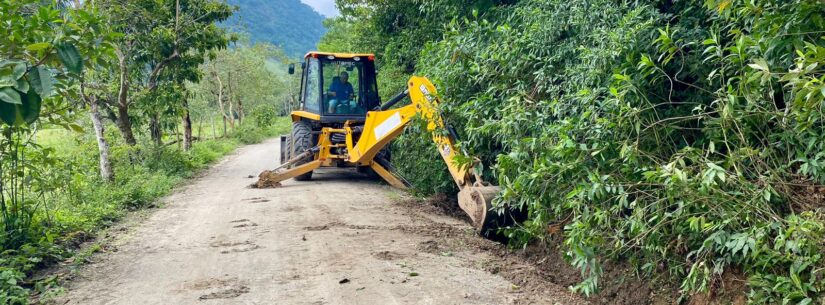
(301,141)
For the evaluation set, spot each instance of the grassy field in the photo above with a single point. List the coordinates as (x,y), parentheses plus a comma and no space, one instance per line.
(80,204)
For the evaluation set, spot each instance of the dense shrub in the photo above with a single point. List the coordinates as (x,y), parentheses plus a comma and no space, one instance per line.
(265,115)
(247,134)
(417,159)
(684,136)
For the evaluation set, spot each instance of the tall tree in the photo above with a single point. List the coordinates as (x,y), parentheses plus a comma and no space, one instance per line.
(44,50)
(163,42)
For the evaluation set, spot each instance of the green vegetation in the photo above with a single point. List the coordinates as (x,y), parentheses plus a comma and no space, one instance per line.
(289,24)
(105,106)
(81,203)
(684,137)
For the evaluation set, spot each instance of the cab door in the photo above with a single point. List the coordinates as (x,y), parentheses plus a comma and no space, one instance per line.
(311,87)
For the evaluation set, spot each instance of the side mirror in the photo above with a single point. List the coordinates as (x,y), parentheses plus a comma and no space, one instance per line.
(291,68)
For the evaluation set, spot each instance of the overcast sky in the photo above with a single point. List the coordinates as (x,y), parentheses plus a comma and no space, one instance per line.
(325,7)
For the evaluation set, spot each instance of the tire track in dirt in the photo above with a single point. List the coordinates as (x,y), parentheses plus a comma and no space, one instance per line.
(337,239)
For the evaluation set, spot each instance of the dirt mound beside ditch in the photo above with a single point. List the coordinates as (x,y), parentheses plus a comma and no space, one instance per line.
(537,266)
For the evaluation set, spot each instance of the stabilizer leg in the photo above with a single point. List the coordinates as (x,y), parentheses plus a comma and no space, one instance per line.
(388,176)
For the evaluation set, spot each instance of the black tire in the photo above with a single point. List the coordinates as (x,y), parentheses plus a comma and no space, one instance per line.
(385,154)
(300,141)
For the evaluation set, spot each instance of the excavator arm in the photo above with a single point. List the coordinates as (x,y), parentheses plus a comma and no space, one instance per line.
(381,127)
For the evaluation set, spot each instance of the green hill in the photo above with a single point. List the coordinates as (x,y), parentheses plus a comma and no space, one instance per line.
(290,24)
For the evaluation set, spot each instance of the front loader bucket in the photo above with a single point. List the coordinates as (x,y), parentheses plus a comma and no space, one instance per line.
(476,201)
(273,178)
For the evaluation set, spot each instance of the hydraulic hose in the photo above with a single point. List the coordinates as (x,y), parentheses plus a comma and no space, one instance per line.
(394,100)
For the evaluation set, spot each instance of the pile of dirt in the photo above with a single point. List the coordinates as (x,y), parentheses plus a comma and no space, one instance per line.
(440,204)
(267,180)
(806,195)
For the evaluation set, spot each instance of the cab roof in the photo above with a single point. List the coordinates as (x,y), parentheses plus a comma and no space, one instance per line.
(338,55)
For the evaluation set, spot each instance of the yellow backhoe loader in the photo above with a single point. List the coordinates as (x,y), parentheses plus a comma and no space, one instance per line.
(341,122)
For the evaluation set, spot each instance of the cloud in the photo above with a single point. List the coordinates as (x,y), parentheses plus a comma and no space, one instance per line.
(325,7)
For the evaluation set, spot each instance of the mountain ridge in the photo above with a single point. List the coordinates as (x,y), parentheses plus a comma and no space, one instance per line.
(289,24)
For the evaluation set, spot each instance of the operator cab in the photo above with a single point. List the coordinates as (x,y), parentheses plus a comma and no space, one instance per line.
(336,87)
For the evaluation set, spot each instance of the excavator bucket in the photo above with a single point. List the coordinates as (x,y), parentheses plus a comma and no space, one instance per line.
(476,201)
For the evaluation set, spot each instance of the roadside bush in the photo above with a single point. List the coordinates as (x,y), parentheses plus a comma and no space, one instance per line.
(210,151)
(167,160)
(684,136)
(265,115)
(10,291)
(248,134)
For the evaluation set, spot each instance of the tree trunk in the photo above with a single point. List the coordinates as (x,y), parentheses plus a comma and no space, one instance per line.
(229,99)
(240,111)
(288,102)
(200,129)
(177,136)
(106,171)
(107,111)
(220,102)
(187,127)
(154,129)
(240,104)
(212,123)
(123,121)
(231,115)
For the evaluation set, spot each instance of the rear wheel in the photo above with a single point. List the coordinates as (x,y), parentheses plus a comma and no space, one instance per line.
(301,140)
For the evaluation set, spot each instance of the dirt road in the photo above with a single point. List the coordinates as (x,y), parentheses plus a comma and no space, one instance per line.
(338,239)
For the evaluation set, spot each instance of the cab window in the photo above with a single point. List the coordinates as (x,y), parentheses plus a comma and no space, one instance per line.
(343,83)
(312,89)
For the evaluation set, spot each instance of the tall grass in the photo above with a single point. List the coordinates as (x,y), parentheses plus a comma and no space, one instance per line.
(83,203)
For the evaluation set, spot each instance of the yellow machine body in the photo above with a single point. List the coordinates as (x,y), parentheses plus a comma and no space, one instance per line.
(359,141)
(381,127)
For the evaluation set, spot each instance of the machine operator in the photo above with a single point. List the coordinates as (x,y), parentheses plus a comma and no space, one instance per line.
(341,95)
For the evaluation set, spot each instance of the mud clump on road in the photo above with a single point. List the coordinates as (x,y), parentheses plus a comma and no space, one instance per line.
(317,228)
(429,246)
(388,255)
(228,293)
(217,288)
(267,180)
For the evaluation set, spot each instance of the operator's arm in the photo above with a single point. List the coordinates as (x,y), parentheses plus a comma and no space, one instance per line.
(332,88)
(348,91)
